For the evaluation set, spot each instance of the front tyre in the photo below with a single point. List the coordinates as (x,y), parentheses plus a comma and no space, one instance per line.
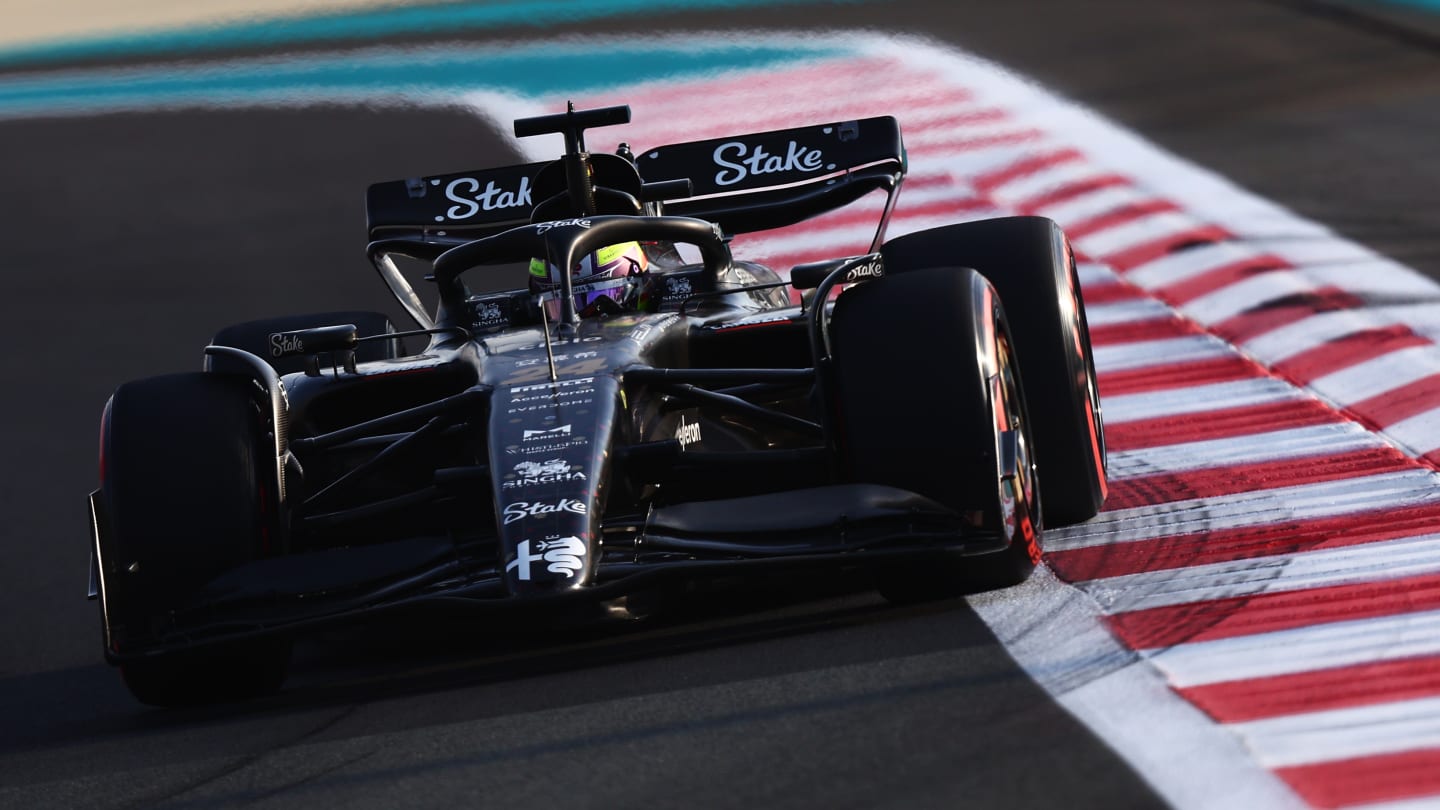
(929,398)
(186,484)
(1032,266)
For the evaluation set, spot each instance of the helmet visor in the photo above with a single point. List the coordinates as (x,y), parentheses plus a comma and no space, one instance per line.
(587,298)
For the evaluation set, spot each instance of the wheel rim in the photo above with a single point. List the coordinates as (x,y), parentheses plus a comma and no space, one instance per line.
(1018,493)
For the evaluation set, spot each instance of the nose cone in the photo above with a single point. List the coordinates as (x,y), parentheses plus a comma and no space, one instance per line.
(549,450)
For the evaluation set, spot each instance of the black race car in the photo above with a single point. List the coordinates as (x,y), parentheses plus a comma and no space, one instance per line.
(579,437)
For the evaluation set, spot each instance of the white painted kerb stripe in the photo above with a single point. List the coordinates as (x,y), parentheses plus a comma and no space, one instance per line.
(1092,274)
(1304,649)
(1187,264)
(1018,190)
(1420,433)
(1360,731)
(1093,204)
(1198,399)
(1279,445)
(1312,332)
(1374,377)
(1245,295)
(1167,352)
(1139,231)
(1134,310)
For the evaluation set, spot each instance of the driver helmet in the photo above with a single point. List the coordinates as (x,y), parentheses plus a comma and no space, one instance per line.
(612,273)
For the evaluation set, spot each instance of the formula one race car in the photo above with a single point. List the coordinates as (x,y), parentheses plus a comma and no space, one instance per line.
(608,403)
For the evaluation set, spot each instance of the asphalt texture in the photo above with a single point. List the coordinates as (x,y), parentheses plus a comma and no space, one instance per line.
(129,239)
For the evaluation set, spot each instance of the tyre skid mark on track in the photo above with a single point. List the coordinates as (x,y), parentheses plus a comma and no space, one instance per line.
(1205,583)
(1256,541)
(1254,511)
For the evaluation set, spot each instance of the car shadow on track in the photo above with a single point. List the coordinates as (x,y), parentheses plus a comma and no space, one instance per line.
(726,634)
(715,637)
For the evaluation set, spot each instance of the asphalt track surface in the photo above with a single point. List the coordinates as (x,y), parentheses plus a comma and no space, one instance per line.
(130,238)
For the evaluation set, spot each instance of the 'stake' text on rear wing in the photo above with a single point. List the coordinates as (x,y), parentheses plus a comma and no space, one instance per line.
(743,183)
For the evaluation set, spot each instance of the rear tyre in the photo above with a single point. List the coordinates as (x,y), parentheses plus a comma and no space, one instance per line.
(186,482)
(928,397)
(1031,265)
(254,337)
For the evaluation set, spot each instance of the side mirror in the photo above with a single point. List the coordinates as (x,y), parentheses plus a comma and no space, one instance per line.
(336,338)
(313,342)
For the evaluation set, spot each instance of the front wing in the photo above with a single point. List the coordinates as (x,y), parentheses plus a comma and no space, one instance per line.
(834,526)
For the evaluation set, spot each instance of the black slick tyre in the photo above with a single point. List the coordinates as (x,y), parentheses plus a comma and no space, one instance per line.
(1031,265)
(929,398)
(254,337)
(186,481)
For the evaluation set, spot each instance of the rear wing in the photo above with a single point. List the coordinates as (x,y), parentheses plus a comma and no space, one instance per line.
(778,178)
(743,184)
